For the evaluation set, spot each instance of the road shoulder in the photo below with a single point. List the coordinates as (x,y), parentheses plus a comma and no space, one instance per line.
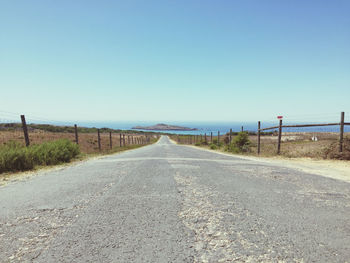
(336,169)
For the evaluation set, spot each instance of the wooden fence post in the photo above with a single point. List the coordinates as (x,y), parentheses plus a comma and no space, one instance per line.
(258,137)
(25,130)
(120,140)
(218,137)
(230,136)
(110,140)
(205,137)
(132,139)
(279,137)
(124,140)
(76,134)
(99,139)
(341,135)
(242,129)
(211,137)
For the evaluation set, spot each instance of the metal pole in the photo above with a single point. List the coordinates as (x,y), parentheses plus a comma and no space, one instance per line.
(259,137)
(279,137)
(341,137)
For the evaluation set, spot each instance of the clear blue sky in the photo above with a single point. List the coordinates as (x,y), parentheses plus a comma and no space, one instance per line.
(174,60)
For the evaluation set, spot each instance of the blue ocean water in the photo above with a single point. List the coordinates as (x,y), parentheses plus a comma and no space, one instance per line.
(208,127)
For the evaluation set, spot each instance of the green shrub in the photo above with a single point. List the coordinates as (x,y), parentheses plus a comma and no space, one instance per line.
(240,143)
(213,146)
(197,144)
(15,157)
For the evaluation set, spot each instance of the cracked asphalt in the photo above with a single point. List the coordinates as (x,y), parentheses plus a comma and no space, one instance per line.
(172,203)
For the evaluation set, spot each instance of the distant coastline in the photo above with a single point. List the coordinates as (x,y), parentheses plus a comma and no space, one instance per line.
(164,127)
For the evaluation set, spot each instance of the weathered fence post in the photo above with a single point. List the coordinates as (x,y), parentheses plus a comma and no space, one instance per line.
(76,134)
(110,140)
(230,136)
(99,139)
(205,137)
(279,137)
(211,137)
(25,130)
(242,129)
(124,140)
(341,137)
(120,140)
(132,139)
(258,137)
(218,137)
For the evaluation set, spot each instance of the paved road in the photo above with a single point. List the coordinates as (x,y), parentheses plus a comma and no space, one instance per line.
(170,203)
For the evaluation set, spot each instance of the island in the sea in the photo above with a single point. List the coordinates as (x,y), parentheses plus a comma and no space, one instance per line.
(164,127)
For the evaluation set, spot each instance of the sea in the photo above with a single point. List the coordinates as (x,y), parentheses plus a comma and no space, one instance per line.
(208,127)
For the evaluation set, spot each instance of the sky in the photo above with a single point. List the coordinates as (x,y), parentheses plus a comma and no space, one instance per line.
(183,60)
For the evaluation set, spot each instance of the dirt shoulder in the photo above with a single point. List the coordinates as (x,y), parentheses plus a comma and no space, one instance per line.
(335,169)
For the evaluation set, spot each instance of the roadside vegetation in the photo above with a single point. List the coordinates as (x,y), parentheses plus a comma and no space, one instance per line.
(239,143)
(294,145)
(16,157)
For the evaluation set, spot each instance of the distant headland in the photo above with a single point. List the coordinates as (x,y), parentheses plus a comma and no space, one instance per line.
(163,127)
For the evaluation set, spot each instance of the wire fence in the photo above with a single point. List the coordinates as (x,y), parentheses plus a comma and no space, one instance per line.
(89,139)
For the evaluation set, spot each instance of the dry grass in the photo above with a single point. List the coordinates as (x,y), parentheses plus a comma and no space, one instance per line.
(294,145)
(87,141)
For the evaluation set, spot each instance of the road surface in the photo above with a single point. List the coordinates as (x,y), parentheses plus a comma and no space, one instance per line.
(172,203)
